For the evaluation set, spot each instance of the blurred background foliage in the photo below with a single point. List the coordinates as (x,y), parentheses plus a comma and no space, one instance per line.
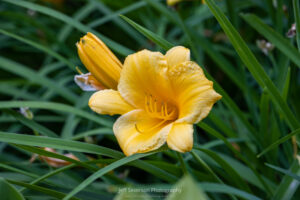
(260,104)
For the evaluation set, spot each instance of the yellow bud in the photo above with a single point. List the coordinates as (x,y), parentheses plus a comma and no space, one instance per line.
(99,60)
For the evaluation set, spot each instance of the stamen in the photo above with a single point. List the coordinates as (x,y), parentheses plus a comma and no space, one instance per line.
(151,105)
(155,106)
(166,110)
(158,109)
(147,104)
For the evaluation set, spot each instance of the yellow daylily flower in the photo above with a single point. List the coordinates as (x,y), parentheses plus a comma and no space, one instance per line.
(159,98)
(99,60)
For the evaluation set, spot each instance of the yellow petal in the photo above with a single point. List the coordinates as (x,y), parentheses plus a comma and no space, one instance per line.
(144,74)
(99,60)
(109,102)
(177,55)
(135,134)
(193,91)
(180,137)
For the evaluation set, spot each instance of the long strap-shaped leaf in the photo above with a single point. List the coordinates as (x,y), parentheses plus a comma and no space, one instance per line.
(32,124)
(64,144)
(280,141)
(103,171)
(274,37)
(57,107)
(296,6)
(40,47)
(44,190)
(284,171)
(60,16)
(33,76)
(252,64)
(230,146)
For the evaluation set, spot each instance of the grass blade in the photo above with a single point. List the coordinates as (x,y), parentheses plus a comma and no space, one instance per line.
(253,65)
(284,171)
(8,192)
(234,176)
(34,77)
(60,16)
(296,6)
(44,190)
(31,124)
(278,142)
(229,145)
(57,107)
(288,185)
(40,47)
(219,188)
(274,37)
(56,143)
(42,152)
(103,171)
(82,147)
(152,36)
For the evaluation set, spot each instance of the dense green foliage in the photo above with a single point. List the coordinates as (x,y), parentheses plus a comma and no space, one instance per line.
(245,149)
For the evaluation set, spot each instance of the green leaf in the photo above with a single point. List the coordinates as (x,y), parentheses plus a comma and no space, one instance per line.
(229,145)
(51,173)
(252,64)
(40,47)
(233,175)
(112,15)
(183,164)
(284,171)
(32,124)
(56,107)
(296,6)
(288,185)
(152,36)
(68,20)
(130,193)
(103,171)
(220,188)
(8,192)
(82,147)
(57,143)
(286,85)
(274,37)
(42,152)
(186,188)
(34,77)
(10,168)
(98,131)
(53,193)
(278,142)
(204,165)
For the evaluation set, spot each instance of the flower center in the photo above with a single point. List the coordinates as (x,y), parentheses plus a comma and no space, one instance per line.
(159,110)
